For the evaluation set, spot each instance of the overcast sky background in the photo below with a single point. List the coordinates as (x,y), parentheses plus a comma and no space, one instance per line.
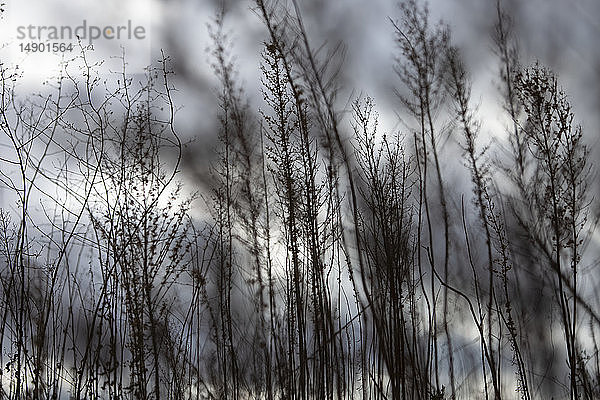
(562,34)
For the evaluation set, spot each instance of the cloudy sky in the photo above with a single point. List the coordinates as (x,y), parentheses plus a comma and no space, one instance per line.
(560,33)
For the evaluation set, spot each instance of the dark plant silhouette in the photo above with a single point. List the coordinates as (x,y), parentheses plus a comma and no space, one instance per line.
(317,257)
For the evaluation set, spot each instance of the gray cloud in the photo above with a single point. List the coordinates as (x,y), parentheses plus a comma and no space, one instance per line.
(559,34)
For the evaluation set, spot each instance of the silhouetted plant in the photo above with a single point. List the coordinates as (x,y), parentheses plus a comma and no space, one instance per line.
(323,262)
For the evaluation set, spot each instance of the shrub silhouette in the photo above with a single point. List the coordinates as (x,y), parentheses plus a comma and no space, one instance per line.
(326,263)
